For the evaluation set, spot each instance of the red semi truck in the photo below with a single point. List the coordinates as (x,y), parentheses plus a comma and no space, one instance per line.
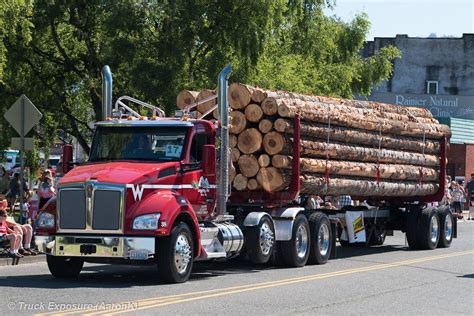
(156,191)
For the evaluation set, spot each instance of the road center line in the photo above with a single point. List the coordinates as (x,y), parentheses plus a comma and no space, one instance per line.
(181,298)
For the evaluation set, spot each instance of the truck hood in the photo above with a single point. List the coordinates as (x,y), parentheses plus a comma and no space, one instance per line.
(118,172)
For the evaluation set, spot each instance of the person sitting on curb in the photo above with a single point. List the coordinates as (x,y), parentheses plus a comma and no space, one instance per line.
(7,234)
(26,233)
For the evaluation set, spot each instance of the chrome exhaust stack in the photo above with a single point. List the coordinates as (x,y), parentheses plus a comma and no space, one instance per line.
(223,188)
(106,92)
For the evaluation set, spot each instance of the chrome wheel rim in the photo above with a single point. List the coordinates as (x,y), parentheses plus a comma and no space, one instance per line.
(434,229)
(323,239)
(302,241)
(448,227)
(266,239)
(182,253)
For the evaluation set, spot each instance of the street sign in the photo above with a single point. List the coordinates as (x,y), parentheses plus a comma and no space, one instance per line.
(22,116)
(31,115)
(16,143)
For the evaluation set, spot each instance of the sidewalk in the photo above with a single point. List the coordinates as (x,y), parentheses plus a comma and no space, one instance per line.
(5,261)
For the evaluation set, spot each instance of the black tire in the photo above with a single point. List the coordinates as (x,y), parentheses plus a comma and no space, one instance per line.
(377,238)
(64,267)
(412,228)
(428,237)
(320,228)
(260,241)
(446,227)
(295,252)
(169,266)
(277,258)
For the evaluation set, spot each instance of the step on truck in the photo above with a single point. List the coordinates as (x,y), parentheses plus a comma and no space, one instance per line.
(155,191)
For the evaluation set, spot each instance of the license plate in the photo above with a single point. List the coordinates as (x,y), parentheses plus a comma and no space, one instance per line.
(138,255)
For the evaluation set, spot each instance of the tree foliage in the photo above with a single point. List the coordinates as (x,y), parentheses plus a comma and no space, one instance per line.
(53,51)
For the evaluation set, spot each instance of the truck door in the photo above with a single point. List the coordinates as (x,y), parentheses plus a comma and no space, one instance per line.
(199,190)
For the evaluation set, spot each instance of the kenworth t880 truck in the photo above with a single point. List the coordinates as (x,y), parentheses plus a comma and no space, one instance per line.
(156,191)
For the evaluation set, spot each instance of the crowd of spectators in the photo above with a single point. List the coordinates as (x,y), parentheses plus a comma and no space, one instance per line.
(16,229)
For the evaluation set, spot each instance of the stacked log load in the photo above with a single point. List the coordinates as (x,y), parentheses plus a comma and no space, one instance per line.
(347,147)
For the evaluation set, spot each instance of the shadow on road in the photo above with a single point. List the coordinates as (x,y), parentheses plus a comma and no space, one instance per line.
(119,276)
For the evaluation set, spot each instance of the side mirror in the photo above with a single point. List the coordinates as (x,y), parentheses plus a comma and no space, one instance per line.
(208,161)
(67,158)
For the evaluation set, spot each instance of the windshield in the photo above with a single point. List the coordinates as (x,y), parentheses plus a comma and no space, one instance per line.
(138,143)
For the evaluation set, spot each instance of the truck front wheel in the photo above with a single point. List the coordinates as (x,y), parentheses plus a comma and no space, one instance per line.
(295,252)
(321,236)
(64,267)
(175,255)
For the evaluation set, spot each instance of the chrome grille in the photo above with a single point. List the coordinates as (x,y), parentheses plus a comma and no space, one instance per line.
(92,207)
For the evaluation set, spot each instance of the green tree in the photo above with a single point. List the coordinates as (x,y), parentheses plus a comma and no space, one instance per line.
(54,52)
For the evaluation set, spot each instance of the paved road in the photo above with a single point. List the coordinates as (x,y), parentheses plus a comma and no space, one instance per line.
(383,280)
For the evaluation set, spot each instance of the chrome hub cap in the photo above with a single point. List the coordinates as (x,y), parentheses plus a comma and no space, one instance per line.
(434,229)
(448,227)
(266,239)
(323,240)
(182,253)
(302,241)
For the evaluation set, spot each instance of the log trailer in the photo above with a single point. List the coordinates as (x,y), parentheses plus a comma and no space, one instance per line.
(156,191)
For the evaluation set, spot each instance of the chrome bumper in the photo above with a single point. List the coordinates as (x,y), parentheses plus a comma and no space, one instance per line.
(98,247)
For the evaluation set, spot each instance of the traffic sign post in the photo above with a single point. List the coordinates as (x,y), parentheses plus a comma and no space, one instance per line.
(22,116)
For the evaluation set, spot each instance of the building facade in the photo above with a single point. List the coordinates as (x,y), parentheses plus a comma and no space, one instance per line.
(434,73)
(437,74)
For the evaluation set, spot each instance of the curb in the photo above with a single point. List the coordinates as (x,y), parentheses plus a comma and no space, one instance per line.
(25,260)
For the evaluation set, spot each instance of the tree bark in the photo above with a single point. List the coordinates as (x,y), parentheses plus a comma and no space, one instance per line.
(249,141)
(240,182)
(248,165)
(204,107)
(274,143)
(358,169)
(258,95)
(314,184)
(238,122)
(272,179)
(264,160)
(240,95)
(185,98)
(253,185)
(364,154)
(265,126)
(270,106)
(232,141)
(341,134)
(253,113)
(366,105)
(351,117)
(235,154)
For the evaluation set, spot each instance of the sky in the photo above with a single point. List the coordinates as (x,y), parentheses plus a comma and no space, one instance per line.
(416,18)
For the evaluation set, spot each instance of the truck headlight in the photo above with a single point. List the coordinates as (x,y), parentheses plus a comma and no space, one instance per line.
(146,222)
(45,220)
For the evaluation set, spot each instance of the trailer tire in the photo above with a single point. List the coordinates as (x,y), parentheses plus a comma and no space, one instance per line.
(412,228)
(176,254)
(321,238)
(260,241)
(295,252)
(64,267)
(446,224)
(429,227)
